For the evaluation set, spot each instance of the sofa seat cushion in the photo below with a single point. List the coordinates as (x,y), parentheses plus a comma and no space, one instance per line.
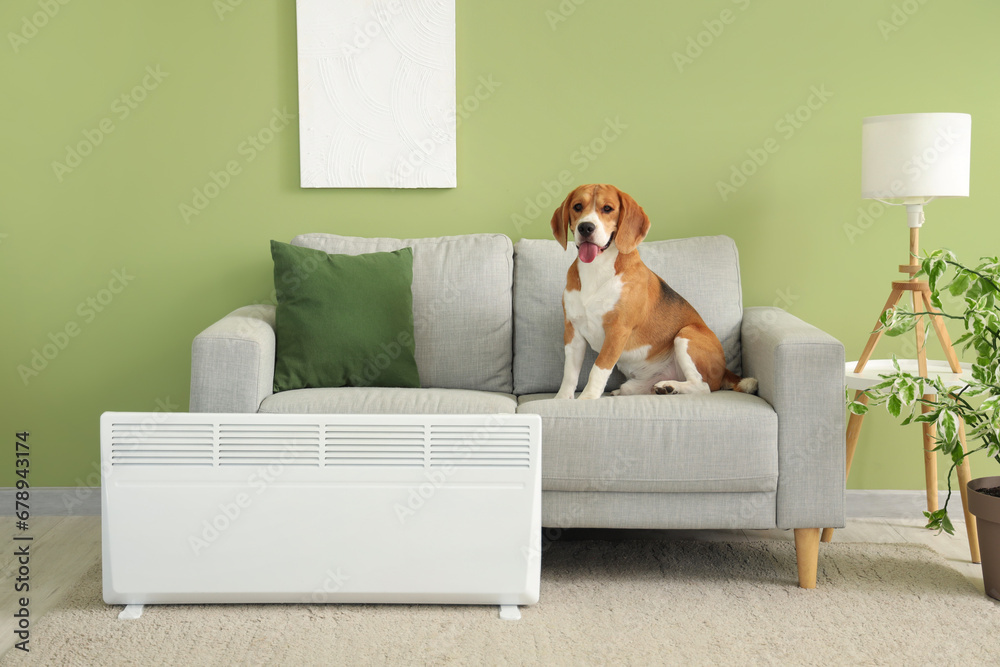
(387,400)
(721,442)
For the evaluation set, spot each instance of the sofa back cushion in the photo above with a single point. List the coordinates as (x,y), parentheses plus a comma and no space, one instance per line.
(704,270)
(462,324)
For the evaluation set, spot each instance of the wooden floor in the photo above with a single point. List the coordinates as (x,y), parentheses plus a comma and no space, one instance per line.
(64,548)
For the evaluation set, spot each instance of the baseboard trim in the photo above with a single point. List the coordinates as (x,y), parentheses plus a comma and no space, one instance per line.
(55,501)
(891,504)
(860,504)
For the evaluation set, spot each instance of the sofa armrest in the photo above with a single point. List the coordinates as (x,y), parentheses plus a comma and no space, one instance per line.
(800,372)
(232,362)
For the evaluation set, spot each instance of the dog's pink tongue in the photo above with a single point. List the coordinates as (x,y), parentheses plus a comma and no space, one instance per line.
(588,251)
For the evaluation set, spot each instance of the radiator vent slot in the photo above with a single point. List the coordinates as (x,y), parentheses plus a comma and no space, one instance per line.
(493,446)
(388,444)
(161,444)
(269,444)
(374,445)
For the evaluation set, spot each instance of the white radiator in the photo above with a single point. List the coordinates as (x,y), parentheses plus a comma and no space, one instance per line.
(320,508)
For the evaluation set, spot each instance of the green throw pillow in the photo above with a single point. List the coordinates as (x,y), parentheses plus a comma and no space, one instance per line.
(343,320)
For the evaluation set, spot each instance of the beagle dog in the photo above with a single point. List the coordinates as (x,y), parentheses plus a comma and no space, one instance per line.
(627,313)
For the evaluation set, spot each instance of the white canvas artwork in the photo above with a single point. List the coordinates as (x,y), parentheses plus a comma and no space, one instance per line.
(377,93)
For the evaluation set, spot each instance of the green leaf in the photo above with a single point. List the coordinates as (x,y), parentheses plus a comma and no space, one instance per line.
(959,284)
(937,270)
(894,406)
(946,523)
(908,392)
(909,418)
(947,427)
(939,520)
(957,455)
(901,323)
(857,408)
(926,264)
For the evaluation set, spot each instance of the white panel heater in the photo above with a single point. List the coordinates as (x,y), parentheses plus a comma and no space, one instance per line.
(232,508)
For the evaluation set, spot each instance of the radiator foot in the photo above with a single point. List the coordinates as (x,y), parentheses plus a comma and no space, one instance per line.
(510,612)
(130,612)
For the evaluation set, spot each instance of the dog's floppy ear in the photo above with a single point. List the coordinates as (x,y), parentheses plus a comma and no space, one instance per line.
(633,224)
(560,221)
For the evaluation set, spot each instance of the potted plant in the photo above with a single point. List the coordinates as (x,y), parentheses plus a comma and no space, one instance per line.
(977,403)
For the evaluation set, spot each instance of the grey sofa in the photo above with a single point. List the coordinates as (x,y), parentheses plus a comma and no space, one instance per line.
(488,328)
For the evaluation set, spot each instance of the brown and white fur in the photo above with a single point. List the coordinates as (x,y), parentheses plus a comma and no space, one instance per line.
(627,313)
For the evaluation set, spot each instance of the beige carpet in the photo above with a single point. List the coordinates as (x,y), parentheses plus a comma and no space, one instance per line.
(631,602)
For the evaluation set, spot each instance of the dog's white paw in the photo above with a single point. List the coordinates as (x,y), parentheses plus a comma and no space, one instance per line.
(666,387)
(564,395)
(616,392)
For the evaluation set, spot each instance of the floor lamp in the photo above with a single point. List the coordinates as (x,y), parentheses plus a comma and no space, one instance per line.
(913,159)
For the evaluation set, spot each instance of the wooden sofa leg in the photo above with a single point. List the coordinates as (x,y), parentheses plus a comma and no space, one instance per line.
(807,555)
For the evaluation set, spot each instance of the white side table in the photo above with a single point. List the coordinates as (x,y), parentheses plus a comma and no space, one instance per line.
(868,378)
(877,367)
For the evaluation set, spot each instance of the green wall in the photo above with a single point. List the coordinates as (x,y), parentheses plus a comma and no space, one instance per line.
(556,85)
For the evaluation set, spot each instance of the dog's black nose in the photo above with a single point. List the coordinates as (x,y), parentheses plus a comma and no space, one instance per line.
(586,228)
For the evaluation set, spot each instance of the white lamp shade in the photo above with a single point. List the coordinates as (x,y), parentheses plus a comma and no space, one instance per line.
(915,155)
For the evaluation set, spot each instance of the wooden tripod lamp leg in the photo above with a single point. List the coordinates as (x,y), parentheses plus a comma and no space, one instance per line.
(893,299)
(942,332)
(930,459)
(964,475)
(930,456)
